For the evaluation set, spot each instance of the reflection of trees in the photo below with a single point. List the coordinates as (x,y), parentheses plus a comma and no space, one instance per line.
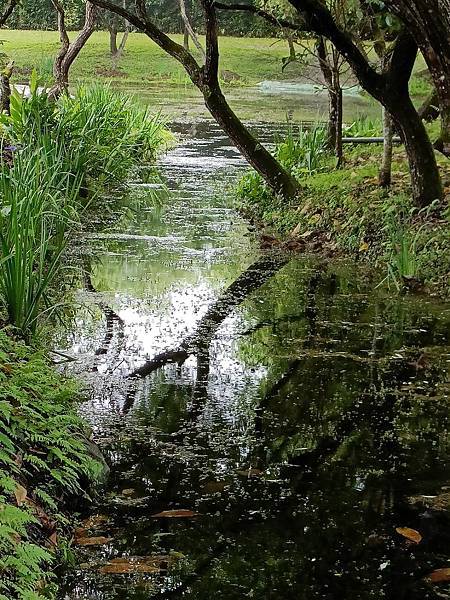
(197,343)
(341,443)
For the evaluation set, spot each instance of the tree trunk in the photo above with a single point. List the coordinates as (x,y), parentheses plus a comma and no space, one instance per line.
(206,79)
(337,91)
(292,53)
(186,39)
(385,175)
(429,111)
(184,10)
(278,179)
(69,51)
(429,23)
(425,180)
(5,88)
(113,41)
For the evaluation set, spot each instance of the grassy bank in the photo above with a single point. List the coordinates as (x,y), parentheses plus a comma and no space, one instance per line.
(57,159)
(160,80)
(45,464)
(344,211)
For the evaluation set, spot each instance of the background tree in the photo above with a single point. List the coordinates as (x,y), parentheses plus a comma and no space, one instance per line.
(206,79)
(429,23)
(391,88)
(70,50)
(115,25)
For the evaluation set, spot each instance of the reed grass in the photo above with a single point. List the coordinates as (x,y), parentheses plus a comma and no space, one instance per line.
(66,153)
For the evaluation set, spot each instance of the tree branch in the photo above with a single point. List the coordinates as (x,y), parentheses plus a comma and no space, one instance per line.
(319,20)
(260,13)
(211,71)
(189,28)
(63,36)
(402,60)
(9,8)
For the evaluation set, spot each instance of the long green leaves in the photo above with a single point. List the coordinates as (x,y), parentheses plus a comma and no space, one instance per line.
(65,153)
(39,205)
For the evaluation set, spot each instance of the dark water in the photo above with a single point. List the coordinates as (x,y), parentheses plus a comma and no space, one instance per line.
(310,422)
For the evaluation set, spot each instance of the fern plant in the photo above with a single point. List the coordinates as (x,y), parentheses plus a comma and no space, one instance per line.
(43,463)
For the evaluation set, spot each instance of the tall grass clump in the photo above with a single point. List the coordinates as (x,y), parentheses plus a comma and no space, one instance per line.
(301,152)
(65,154)
(39,206)
(111,131)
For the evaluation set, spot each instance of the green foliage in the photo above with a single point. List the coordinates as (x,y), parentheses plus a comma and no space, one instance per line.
(351,213)
(43,463)
(37,209)
(364,127)
(301,153)
(83,144)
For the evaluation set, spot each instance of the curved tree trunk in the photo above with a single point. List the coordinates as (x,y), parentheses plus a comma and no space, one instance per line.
(189,30)
(259,157)
(206,79)
(429,23)
(69,51)
(425,179)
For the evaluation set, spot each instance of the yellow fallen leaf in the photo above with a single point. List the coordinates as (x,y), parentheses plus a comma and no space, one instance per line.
(21,494)
(250,473)
(145,564)
(94,521)
(175,514)
(439,575)
(409,534)
(92,541)
(364,246)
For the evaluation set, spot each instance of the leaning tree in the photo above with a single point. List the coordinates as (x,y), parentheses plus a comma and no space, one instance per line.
(206,78)
(390,87)
(429,23)
(70,50)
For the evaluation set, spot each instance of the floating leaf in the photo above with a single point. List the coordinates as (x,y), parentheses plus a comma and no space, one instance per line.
(92,541)
(94,521)
(409,534)
(439,575)
(136,564)
(21,494)
(212,487)
(175,514)
(250,473)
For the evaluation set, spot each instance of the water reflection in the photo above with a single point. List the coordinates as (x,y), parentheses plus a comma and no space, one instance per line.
(302,434)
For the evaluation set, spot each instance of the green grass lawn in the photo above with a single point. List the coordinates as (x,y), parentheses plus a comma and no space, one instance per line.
(161,81)
(253,59)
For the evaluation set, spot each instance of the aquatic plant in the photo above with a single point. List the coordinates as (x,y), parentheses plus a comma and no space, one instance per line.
(364,126)
(68,150)
(302,150)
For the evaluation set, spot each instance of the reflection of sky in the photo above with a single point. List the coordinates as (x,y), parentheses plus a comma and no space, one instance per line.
(160,274)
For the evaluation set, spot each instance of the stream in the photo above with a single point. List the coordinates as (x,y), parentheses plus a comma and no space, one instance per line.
(306,422)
